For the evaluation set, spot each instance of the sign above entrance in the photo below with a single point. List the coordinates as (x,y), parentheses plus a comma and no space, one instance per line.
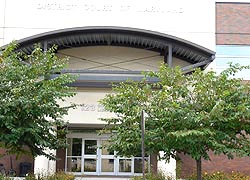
(88,110)
(107,6)
(178,18)
(92,107)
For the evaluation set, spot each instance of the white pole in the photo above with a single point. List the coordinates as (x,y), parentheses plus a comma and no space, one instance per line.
(142,143)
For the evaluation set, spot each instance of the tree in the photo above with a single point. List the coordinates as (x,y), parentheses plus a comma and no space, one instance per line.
(30,112)
(192,114)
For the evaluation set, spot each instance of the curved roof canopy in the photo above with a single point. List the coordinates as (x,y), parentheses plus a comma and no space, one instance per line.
(120,36)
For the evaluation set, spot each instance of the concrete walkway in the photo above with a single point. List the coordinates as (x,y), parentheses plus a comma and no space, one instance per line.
(100,178)
(88,178)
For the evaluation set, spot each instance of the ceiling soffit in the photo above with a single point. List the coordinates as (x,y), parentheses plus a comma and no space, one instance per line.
(120,36)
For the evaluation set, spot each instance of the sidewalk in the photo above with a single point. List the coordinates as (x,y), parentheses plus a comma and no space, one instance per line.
(100,178)
(88,178)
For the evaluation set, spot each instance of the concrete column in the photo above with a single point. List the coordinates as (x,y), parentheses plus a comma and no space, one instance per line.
(170,56)
(44,166)
(169,169)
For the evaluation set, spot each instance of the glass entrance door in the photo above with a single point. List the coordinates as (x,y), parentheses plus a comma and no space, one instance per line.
(107,160)
(97,160)
(74,155)
(92,157)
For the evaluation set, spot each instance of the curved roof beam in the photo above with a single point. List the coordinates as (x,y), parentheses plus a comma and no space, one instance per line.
(120,36)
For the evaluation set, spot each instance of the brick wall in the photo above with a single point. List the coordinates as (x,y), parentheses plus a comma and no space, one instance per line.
(5,160)
(186,166)
(233,23)
(232,28)
(60,159)
(217,163)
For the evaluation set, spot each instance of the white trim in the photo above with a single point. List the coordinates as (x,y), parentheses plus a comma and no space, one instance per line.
(90,136)
(98,156)
(228,56)
(233,1)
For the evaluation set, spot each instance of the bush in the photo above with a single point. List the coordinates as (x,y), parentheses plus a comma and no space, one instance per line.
(150,176)
(222,176)
(2,177)
(57,176)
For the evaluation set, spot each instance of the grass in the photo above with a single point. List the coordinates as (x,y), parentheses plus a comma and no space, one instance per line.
(150,176)
(205,176)
(222,176)
(57,176)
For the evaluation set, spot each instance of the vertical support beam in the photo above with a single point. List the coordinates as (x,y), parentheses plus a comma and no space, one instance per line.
(43,165)
(170,56)
(142,143)
(45,46)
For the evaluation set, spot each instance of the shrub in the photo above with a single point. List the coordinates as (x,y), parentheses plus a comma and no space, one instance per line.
(2,177)
(222,176)
(57,176)
(150,176)
(61,176)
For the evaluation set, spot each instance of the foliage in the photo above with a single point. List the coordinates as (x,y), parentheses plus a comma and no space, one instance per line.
(2,177)
(222,176)
(191,113)
(127,103)
(56,176)
(150,176)
(29,101)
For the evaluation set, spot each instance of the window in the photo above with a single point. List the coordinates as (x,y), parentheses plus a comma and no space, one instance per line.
(90,156)
(235,54)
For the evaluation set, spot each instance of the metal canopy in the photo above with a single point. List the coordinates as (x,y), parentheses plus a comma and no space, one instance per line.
(120,36)
(168,46)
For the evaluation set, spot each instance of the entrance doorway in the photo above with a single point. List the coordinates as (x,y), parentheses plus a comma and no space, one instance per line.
(89,156)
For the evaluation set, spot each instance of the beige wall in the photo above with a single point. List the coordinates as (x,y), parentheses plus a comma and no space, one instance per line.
(115,58)
(105,58)
(89,110)
(179,62)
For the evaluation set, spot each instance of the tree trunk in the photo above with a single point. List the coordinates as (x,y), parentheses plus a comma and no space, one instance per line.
(153,163)
(198,165)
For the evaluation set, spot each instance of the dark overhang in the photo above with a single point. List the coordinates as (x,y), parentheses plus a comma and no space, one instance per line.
(166,45)
(120,36)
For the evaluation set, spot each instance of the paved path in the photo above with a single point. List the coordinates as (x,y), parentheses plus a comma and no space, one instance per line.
(87,178)
(99,178)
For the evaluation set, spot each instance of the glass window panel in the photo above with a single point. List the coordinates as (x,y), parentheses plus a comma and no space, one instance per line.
(138,165)
(125,165)
(107,165)
(90,147)
(75,147)
(105,150)
(235,50)
(223,61)
(235,54)
(74,164)
(89,165)
(69,148)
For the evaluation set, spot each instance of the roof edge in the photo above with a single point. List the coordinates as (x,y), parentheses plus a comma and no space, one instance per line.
(110,29)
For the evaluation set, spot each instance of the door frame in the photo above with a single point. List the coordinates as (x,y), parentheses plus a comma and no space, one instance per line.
(99,156)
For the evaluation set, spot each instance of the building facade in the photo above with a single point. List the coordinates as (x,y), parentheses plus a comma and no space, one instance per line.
(232,45)
(110,42)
